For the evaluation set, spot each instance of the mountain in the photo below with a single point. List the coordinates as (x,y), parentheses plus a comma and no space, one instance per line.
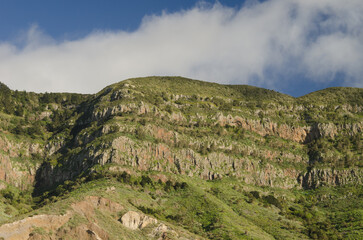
(175,158)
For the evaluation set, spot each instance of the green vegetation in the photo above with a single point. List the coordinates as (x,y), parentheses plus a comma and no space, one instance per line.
(223,209)
(16,201)
(209,160)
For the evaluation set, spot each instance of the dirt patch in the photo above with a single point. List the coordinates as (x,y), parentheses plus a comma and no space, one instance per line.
(87,232)
(21,229)
(87,207)
(27,228)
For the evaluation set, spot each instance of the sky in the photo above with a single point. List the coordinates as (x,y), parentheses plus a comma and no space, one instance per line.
(291,46)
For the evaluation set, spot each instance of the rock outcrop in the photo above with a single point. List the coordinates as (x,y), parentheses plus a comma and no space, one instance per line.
(17,164)
(22,229)
(330,177)
(135,220)
(55,226)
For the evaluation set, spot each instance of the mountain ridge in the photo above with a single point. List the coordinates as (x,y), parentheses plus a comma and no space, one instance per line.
(179,130)
(3,85)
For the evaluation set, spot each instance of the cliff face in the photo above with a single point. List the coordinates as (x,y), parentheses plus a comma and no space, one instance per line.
(186,127)
(330,177)
(278,141)
(167,158)
(19,160)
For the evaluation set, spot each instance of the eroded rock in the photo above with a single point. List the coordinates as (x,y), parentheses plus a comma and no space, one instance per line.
(135,220)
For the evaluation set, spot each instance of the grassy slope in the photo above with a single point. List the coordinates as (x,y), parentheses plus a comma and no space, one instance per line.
(224,209)
(335,95)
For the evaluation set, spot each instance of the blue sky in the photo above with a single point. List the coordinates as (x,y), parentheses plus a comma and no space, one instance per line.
(294,47)
(77,18)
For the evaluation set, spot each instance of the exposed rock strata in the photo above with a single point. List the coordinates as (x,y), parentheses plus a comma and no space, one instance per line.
(135,220)
(16,165)
(330,177)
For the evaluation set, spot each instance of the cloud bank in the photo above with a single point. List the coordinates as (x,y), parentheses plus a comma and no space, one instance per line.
(268,44)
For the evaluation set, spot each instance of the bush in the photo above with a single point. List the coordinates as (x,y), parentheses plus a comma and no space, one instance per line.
(35,130)
(272,200)
(18,129)
(8,210)
(8,194)
(124,177)
(140,133)
(168,186)
(255,194)
(225,107)
(183,185)
(146,180)
(209,220)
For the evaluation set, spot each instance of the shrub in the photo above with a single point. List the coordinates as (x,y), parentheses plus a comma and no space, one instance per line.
(145,180)
(255,194)
(183,185)
(140,133)
(124,177)
(225,107)
(8,210)
(8,194)
(168,186)
(272,200)
(169,109)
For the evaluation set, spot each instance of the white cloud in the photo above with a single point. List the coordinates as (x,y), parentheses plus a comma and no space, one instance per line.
(259,44)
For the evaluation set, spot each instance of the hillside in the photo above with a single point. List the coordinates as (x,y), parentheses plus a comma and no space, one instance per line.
(183,158)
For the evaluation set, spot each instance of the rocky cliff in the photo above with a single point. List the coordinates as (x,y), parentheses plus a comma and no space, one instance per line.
(188,127)
(264,141)
(176,129)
